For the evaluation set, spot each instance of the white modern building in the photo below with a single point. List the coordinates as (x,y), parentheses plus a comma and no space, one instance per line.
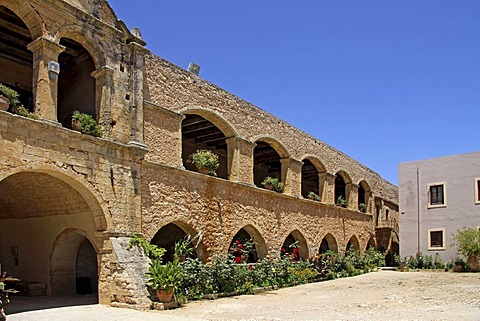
(438,197)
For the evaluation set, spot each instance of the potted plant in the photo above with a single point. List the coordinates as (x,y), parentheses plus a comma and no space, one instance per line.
(468,243)
(241,249)
(85,124)
(272,183)
(205,161)
(8,97)
(362,207)
(4,293)
(341,201)
(313,196)
(183,248)
(165,279)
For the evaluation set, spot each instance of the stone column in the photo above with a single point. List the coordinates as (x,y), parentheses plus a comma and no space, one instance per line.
(322,183)
(352,195)
(292,176)
(137,52)
(329,189)
(45,84)
(104,83)
(240,160)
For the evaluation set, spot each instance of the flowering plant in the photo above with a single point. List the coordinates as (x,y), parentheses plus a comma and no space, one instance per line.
(292,251)
(239,249)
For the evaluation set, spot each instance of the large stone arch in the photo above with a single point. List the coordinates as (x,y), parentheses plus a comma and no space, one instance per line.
(268,156)
(364,196)
(36,206)
(65,271)
(29,15)
(275,143)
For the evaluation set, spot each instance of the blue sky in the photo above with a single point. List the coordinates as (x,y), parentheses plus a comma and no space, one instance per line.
(383,81)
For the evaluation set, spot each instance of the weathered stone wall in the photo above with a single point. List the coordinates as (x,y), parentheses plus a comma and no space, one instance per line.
(217,209)
(175,89)
(101,188)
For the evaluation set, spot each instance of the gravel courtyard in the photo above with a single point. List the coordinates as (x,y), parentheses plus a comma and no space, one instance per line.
(383,295)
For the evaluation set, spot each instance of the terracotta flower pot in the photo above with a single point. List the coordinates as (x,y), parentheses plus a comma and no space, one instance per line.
(4,103)
(269,187)
(203,170)
(164,296)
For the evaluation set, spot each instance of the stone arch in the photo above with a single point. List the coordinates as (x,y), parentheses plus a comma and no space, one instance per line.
(215,118)
(313,176)
(267,160)
(364,192)
(175,231)
(17,59)
(78,34)
(353,244)
(328,243)
(205,130)
(342,187)
(250,232)
(76,85)
(29,15)
(371,243)
(295,236)
(88,193)
(69,275)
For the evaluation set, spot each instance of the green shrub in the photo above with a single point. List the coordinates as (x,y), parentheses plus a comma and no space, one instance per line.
(468,242)
(86,123)
(205,159)
(11,95)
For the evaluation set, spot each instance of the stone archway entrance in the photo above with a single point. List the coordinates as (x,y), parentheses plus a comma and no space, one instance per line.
(48,223)
(74,266)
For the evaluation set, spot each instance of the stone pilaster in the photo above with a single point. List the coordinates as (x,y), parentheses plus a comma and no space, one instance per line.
(45,83)
(240,160)
(137,80)
(352,195)
(292,176)
(104,83)
(329,189)
(322,183)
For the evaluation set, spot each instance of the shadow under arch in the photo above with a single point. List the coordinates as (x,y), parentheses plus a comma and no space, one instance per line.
(73,264)
(313,176)
(329,243)
(371,243)
(176,231)
(295,237)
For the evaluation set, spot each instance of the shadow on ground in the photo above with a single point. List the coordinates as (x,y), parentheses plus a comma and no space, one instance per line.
(32,303)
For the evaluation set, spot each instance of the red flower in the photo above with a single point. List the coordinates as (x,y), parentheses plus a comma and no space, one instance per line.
(237,241)
(251,267)
(237,259)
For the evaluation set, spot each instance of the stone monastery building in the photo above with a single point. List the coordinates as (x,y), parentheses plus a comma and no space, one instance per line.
(69,201)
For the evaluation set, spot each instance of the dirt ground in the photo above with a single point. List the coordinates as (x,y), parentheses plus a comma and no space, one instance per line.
(383,295)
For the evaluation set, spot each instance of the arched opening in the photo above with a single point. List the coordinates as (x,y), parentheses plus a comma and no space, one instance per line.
(38,209)
(199,133)
(294,246)
(341,197)
(256,245)
(353,244)
(266,162)
(16,60)
(76,86)
(328,244)
(371,243)
(74,266)
(363,197)
(310,179)
(168,235)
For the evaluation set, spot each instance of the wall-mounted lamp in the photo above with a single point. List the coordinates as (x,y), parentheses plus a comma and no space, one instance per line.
(53,70)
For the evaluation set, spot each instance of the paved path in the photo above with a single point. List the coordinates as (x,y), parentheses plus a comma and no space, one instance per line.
(381,295)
